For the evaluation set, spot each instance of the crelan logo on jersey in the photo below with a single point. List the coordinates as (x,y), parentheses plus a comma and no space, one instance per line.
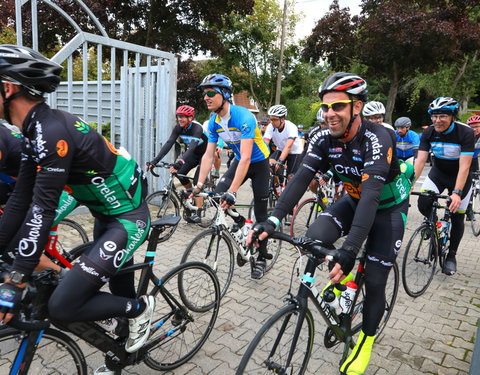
(62,148)
(108,194)
(82,127)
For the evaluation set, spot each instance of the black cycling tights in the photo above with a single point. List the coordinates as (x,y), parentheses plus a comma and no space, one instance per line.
(80,300)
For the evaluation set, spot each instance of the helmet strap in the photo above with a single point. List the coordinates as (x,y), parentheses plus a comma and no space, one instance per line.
(352,119)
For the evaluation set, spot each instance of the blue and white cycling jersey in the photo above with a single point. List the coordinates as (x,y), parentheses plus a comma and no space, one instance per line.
(407,144)
(477,149)
(447,147)
(241,124)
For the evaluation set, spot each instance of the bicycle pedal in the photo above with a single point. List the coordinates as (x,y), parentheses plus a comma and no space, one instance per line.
(240,261)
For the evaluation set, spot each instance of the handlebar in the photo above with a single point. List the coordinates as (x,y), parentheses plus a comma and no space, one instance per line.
(430,194)
(307,245)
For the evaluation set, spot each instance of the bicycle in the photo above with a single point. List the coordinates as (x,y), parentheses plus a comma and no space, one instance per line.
(168,201)
(187,304)
(309,209)
(283,345)
(217,245)
(428,244)
(473,210)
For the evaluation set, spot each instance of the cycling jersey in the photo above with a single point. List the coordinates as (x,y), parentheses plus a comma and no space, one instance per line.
(238,124)
(368,167)
(280,138)
(10,152)
(59,150)
(193,136)
(477,148)
(447,147)
(407,145)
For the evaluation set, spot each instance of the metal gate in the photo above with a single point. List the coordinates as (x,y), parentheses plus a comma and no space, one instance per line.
(138,100)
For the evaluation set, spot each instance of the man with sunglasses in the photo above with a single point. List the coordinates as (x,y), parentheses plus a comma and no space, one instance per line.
(453,145)
(363,156)
(286,137)
(239,130)
(192,134)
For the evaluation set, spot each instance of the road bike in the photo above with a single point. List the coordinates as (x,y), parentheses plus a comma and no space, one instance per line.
(284,344)
(473,210)
(428,245)
(217,245)
(187,301)
(169,200)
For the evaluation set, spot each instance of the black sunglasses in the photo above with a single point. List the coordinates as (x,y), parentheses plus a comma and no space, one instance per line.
(210,94)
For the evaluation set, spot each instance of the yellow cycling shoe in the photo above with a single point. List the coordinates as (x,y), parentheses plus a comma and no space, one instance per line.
(358,359)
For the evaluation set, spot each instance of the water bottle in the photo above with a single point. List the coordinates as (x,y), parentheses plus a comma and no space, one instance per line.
(237,233)
(246,228)
(442,227)
(347,296)
(278,189)
(332,301)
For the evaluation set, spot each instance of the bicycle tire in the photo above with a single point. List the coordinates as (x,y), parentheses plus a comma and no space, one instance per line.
(186,330)
(475,219)
(304,215)
(161,204)
(391,293)
(279,329)
(419,260)
(56,353)
(203,248)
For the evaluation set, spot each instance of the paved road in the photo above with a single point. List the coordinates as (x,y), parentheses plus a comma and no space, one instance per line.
(433,334)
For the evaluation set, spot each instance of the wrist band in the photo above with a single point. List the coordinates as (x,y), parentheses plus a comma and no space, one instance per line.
(458,192)
(274,220)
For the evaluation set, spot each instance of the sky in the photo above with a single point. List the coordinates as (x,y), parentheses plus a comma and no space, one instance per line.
(313,10)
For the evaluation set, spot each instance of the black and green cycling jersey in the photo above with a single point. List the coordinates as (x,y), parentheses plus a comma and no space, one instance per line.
(62,151)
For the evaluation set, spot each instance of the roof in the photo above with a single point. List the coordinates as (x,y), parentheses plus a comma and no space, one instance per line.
(242,99)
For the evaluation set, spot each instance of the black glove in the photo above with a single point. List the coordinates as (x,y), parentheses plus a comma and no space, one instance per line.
(196,190)
(150,165)
(178,164)
(230,197)
(265,226)
(326,177)
(10,298)
(346,259)
(280,162)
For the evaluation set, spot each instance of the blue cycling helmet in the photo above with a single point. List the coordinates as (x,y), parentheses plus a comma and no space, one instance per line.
(219,83)
(444,104)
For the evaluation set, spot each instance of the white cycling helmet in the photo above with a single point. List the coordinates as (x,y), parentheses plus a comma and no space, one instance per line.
(320,118)
(278,110)
(373,108)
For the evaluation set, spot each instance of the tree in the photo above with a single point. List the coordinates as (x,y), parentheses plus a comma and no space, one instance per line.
(395,39)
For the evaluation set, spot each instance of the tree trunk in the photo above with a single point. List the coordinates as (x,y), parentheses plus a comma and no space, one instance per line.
(392,95)
(466,94)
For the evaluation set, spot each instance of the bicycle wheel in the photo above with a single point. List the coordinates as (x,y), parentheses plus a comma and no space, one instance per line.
(419,260)
(475,215)
(208,213)
(268,351)
(304,216)
(56,353)
(161,204)
(273,247)
(178,332)
(70,234)
(215,250)
(391,292)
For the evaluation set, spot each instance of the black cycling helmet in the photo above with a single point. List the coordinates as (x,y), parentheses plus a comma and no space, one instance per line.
(28,68)
(348,82)
(353,85)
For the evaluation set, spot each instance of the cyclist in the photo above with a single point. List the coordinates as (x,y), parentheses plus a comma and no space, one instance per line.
(407,140)
(264,121)
(474,123)
(362,155)
(452,144)
(10,156)
(192,134)
(239,130)
(286,137)
(60,149)
(375,112)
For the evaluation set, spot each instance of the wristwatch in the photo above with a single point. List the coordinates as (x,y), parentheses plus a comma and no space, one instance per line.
(17,277)
(458,192)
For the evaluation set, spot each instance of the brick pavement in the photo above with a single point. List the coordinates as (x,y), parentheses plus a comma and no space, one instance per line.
(433,334)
